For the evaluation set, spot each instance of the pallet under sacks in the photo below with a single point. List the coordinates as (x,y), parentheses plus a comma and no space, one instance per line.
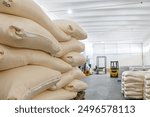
(133,84)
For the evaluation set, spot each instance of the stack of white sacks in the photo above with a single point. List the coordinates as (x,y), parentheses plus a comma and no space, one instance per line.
(147,86)
(133,84)
(39,58)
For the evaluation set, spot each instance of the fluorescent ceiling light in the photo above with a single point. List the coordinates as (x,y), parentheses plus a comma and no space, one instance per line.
(69,11)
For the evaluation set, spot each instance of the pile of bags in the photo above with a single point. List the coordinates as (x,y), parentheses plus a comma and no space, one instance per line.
(147,86)
(133,84)
(39,58)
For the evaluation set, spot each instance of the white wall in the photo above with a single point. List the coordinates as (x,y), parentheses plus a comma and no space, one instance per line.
(126,54)
(146,52)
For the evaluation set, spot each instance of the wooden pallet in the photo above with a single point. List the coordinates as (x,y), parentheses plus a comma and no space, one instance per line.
(80,96)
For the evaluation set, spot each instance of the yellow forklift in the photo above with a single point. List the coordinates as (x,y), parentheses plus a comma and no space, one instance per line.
(114,69)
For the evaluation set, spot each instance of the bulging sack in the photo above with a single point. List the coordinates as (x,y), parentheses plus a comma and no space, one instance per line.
(60,94)
(74,59)
(131,79)
(134,89)
(135,73)
(147,76)
(133,93)
(24,33)
(14,57)
(71,28)
(134,85)
(76,85)
(69,46)
(31,10)
(134,97)
(68,77)
(26,82)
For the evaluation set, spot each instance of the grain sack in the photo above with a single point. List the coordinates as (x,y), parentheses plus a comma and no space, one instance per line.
(147,91)
(68,77)
(60,94)
(74,59)
(146,87)
(133,93)
(24,33)
(76,85)
(26,82)
(14,57)
(134,73)
(69,46)
(29,9)
(147,82)
(71,28)
(131,79)
(134,97)
(147,76)
(147,96)
(140,89)
(134,85)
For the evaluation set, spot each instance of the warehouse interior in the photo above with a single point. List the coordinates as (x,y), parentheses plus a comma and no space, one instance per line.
(117,31)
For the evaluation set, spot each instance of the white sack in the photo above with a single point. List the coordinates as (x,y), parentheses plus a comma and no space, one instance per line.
(71,28)
(134,85)
(131,79)
(69,46)
(68,77)
(147,82)
(31,10)
(147,76)
(134,73)
(147,96)
(133,93)
(147,91)
(140,89)
(14,57)
(26,82)
(74,59)
(24,33)
(134,97)
(76,85)
(60,94)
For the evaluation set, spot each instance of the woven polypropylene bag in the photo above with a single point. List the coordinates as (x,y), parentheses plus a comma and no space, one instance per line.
(74,59)
(24,33)
(26,82)
(68,77)
(76,85)
(31,10)
(71,28)
(14,57)
(60,94)
(69,46)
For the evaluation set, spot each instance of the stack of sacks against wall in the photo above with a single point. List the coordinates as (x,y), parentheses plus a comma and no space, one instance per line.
(133,84)
(147,86)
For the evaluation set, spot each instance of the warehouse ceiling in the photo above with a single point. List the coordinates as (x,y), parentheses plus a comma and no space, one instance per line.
(119,21)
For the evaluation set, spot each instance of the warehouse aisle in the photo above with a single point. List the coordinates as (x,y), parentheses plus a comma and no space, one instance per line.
(102,87)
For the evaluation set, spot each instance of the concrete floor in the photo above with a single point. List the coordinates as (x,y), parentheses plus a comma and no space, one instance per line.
(102,87)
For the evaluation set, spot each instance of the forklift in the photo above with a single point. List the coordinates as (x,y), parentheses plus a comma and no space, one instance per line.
(114,69)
